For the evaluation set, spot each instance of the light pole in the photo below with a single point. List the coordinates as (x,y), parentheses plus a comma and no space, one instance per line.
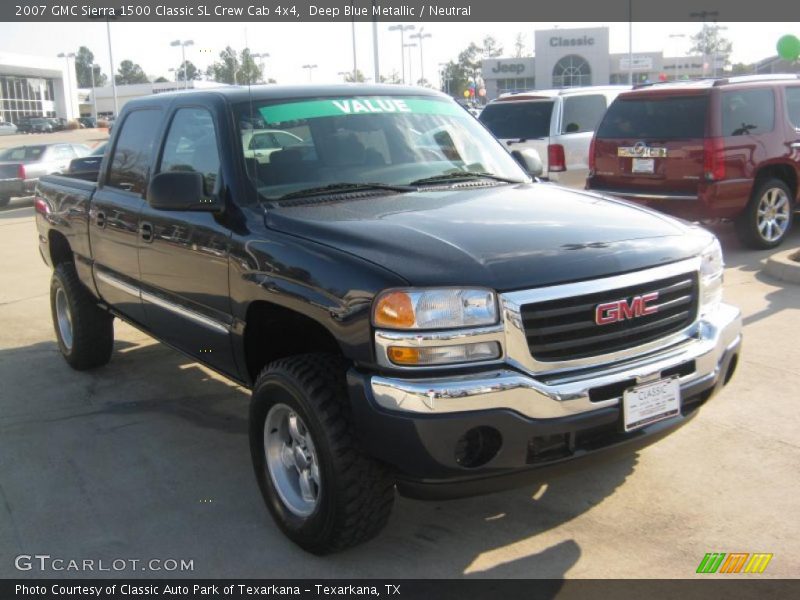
(94,95)
(410,76)
(66,57)
(310,71)
(630,42)
(183,45)
(111,61)
(355,62)
(421,36)
(261,56)
(375,57)
(174,72)
(402,29)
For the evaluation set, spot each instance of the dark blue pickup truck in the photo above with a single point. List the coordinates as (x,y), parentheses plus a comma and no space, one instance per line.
(413,310)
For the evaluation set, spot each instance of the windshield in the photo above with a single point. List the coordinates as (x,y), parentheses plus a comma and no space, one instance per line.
(665,118)
(389,140)
(518,119)
(23,153)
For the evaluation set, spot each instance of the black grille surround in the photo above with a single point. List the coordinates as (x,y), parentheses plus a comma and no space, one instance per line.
(565,329)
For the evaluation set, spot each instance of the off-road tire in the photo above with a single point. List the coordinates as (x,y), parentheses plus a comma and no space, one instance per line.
(92,327)
(356,493)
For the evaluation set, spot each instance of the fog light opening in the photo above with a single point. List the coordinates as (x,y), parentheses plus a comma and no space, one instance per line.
(478,446)
(731,369)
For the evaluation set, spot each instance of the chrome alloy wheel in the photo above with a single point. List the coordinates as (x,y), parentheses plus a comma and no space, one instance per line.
(292,460)
(773,214)
(64,318)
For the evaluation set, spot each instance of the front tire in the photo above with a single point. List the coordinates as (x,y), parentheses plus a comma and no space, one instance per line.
(767,219)
(84,331)
(323,491)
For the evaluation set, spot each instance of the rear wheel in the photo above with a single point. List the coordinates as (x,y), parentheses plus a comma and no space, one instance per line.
(84,331)
(323,491)
(4,200)
(767,219)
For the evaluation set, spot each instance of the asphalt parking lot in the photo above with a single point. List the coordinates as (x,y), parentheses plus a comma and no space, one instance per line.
(148,458)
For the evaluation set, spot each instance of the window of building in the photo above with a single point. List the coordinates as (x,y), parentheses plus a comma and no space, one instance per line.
(572,71)
(520,84)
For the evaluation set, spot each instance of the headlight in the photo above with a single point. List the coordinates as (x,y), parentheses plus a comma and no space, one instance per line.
(434,309)
(711,273)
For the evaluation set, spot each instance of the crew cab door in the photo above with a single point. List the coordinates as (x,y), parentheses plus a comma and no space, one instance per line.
(114,214)
(183,255)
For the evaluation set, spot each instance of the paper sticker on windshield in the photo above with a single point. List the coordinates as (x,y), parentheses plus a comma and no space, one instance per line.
(333,107)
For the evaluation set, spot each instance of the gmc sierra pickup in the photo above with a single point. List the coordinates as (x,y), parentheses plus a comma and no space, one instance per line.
(412,310)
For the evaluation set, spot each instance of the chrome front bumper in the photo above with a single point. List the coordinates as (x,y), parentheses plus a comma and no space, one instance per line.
(564,393)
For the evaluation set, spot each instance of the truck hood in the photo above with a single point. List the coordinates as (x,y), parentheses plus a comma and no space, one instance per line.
(504,237)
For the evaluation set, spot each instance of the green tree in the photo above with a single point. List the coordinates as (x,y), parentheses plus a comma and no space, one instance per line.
(129,72)
(490,48)
(710,42)
(359,78)
(235,69)
(192,72)
(84,59)
(161,79)
(520,46)
(393,77)
(743,69)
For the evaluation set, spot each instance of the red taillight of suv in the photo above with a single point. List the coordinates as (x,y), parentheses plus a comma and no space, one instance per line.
(591,155)
(555,158)
(20,171)
(714,159)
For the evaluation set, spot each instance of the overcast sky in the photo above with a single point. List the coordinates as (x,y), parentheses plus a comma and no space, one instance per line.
(329,45)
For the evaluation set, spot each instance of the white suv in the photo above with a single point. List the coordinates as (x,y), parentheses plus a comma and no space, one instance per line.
(558,124)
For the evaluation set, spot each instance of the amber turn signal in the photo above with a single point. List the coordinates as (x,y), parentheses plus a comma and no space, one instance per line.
(394,310)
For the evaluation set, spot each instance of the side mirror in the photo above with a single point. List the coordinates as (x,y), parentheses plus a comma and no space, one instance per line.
(529,160)
(180,190)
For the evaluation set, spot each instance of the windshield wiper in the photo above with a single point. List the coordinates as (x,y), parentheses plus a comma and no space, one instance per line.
(464,175)
(335,188)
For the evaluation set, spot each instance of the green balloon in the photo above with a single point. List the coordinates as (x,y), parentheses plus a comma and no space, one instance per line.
(789,47)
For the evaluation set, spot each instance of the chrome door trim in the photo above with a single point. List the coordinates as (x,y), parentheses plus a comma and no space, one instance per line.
(176,309)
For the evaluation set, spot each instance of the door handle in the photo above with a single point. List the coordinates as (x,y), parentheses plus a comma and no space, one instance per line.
(146,231)
(100,219)
(794,145)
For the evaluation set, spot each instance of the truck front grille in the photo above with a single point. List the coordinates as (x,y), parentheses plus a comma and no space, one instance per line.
(565,329)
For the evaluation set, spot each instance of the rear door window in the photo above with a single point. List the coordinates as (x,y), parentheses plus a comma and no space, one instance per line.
(583,113)
(661,118)
(134,151)
(793,105)
(519,119)
(748,112)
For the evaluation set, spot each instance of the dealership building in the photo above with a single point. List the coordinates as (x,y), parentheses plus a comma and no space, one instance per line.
(580,57)
(37,86)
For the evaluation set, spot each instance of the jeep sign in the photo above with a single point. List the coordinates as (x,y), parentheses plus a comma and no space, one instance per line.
(509,68)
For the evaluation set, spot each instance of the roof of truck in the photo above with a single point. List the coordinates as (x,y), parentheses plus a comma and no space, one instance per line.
(242,93)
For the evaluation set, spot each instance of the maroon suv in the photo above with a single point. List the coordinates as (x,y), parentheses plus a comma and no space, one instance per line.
(725,148)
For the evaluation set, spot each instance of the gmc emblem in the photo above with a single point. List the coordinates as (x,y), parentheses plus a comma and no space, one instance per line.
(620,310)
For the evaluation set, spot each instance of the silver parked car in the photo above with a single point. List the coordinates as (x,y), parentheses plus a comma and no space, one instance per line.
(558,124)
(21,166)
(7,128)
